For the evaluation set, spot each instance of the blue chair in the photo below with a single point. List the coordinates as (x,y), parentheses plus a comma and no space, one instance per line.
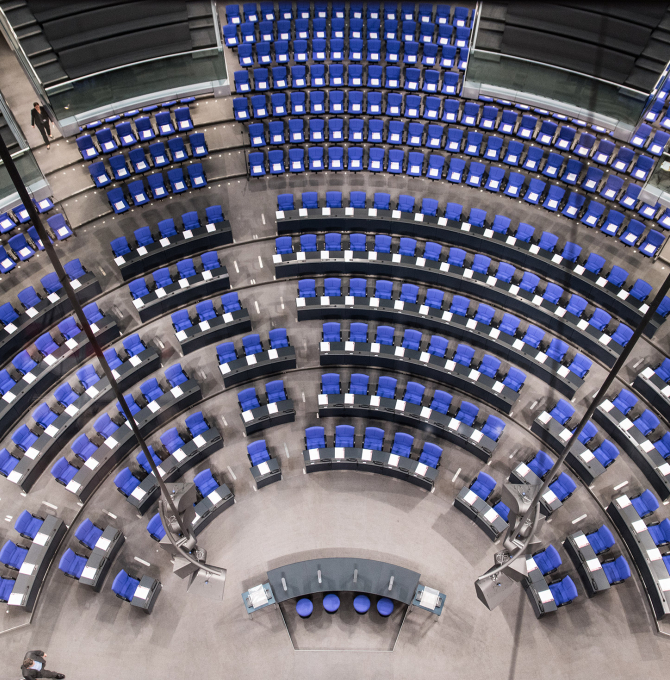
(483,486)
(564,591)
(563,487)
(548,560)
(124,586)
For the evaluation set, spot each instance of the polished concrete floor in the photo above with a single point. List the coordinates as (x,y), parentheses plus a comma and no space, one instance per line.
(319,515)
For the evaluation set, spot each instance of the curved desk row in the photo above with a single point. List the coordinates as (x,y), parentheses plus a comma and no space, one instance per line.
(643,453)
(174,466)
(255,366)
(422,364)
(50,370)
(537,589)
(181,292)
(38,319)
(646,555)
(52,441)
(167,250)
(463,280)
(36,564)
(211,506)
(366,460)
(268,415)
(481,513)
(208,332)
(462,328)
(580,458)
(100,560)
(478,239)
(114,449)
(654,390)
(404,413)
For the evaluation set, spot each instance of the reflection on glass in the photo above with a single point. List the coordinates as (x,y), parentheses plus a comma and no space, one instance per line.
(136,80)
(28,169)
(575,89)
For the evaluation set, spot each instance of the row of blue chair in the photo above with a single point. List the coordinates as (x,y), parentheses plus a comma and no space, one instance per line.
(166,229)
(131,113)
(163,277)
(454,211)
(437,346)
(646,421)
(337,9)
(414,392)
(19,214)
(274,392)
(139,195)
(144,131)
(251,344)
(139,162)
(485,314)
(373,52)
(29,297)
(373,439)
(181,320)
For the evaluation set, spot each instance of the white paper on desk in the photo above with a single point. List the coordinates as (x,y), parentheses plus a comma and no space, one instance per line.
(53,297)
(426,412)
(394,459)
(522,469)
(663,584)
(251,359)
(593,564)
(103,543)
(586,456)
(544,417)
(476,436)
(27,569)
(71,343)
(224,368)
(72,410)
(264,468)
(73,486)
(491,515)
(111,442)
(273,408)
(32,453)
(375,400)
(181,336)
(214,497)
(141,593)
(623,501)
(183,283)
(51,431)
(339,452)
(206,275)
(470,497)
(581,541)
(550,496)
(400,405)
(8,397)
(314,454)
(91,464)
(138,493)
(247,416)
(177,391)
(348,398)
(160,292)
(626,424)
(639,526)
(545,596)
(41,539)
(530,564)
(654,554)
(179,455)
(89,573)
(227,318)
(367,455)
(664,469)
(14,476)
(153,406)
(421,469)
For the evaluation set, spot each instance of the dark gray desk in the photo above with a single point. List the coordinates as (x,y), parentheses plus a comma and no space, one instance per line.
(481,513)
(52,441)
(167,250)
(208,332)
(478,239)
(115,448)
(366,460)
(444,426)
(254,366)
(580,459)
(265,473)
(174,466)
(586,561)
(645,554)
(538,592)
(268,415)
(416,362)
(462,280)
(146,594)
(38,319)
(100,561)
(643,453)
(50,370)
(212,506)
(459,327)
(36,564)
(199,287)
(337,574)
(654,390)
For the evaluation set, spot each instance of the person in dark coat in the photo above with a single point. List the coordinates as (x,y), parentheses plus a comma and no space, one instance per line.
(42,118)
(33,666)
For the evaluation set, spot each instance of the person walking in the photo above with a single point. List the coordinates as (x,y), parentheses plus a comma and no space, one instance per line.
(42,118)
(33,666)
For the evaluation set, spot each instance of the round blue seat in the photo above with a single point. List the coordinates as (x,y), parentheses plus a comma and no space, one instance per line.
(362,604)
(331,603)
(385,606)
(304,607)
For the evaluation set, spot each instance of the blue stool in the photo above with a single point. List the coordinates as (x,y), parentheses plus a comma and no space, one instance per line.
(331,603)
(362,604)
(304,608)
(384,606)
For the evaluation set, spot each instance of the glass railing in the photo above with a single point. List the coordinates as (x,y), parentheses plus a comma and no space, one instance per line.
(30,174)
(497,74)
(175,73)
